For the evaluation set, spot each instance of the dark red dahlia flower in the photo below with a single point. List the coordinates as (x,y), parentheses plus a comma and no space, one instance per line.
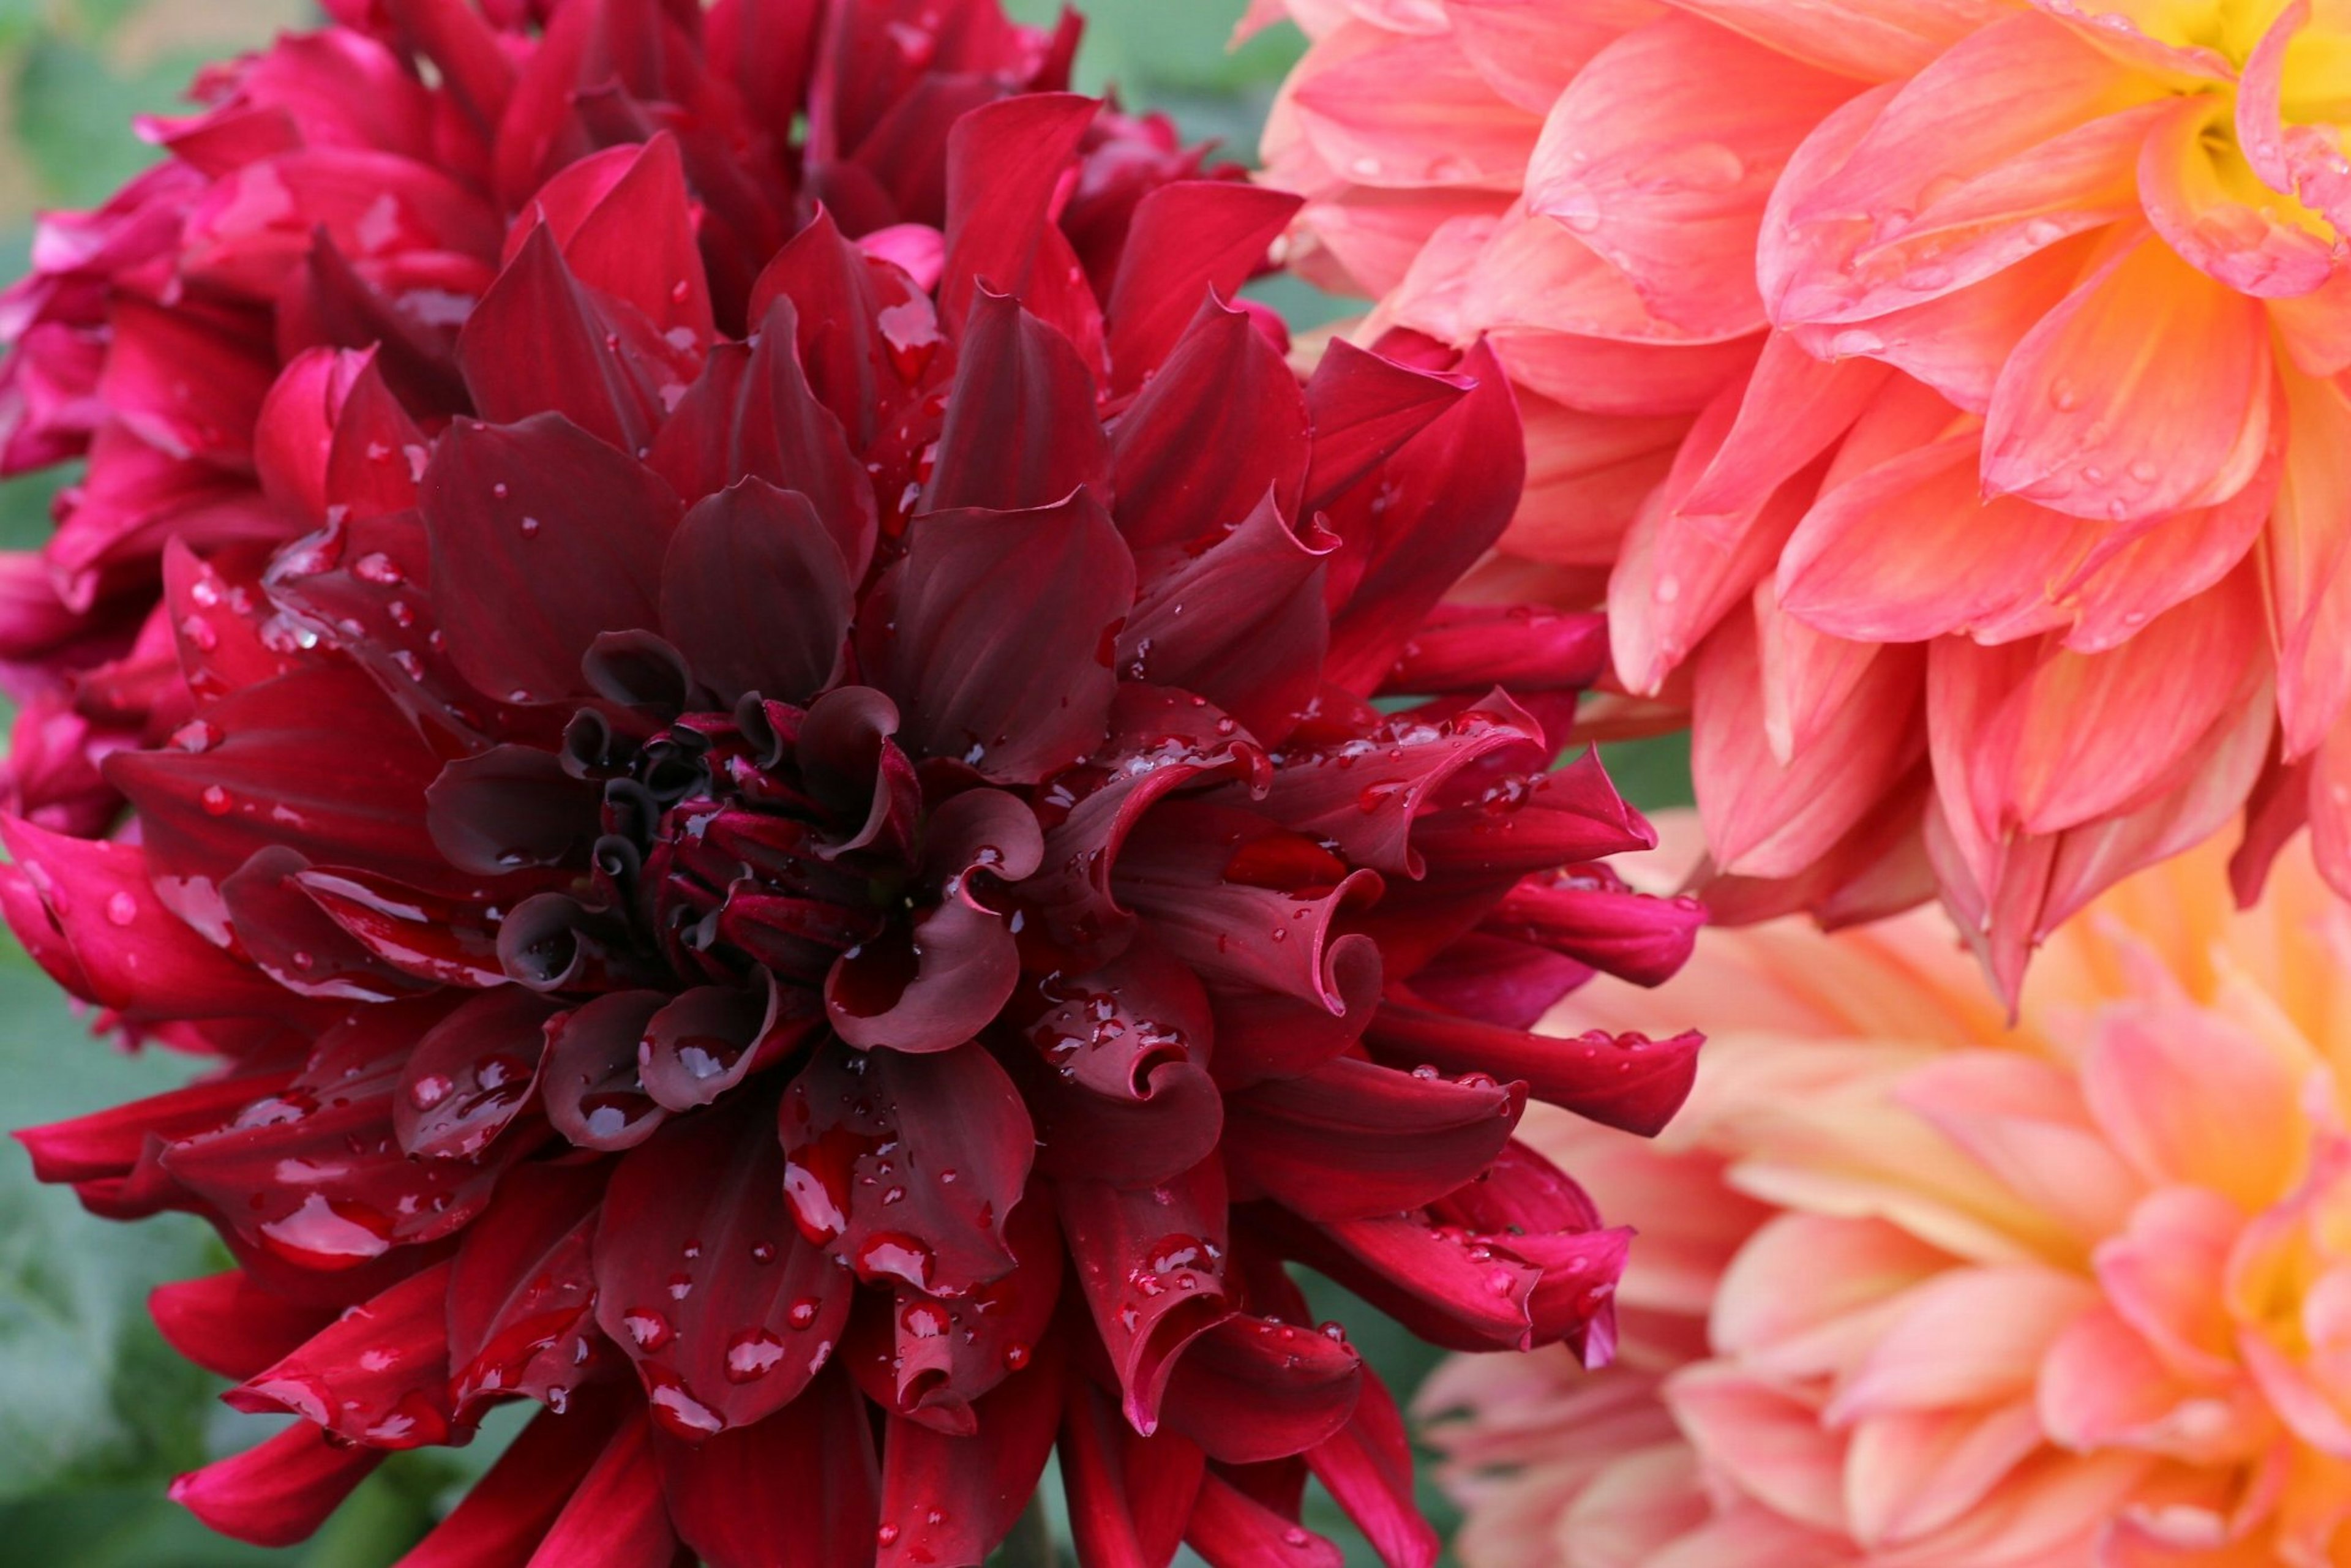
(830,879)
(356,189)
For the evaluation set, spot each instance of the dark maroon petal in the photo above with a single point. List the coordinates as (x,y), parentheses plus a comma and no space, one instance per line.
(1441,501)
(1179,869)
(906,1166)
(279,771)
(592,1092)
(616,1517)
(1498,979)
(472,1074)
(1623,1081)
(1253,1389)
(705,1042)
(637,243)
(1262,1034)
(1363,407)
(753,414)
(543,537)
(1367,1467)
(1190,239)
(221,649)
(278,1492)
(1153,1274)
(226,1323)
(1233,1530)
(947,1499)
(931,1359)
(1240,622)
(509,807)
(1472,649)
(298,944)
(522,1296)
(849,763)
(1220,425)
(88,912)
(1351,1140)
(1450,1285)
(805,1476)
(1517,822)
(378,1375)
(1005,165)
(540,342)
(1021,429)
(998,646)
(866,332)
(927,990)
(1592,916)
(1130,1495)
(754,594)
(726,1311)
(501,1520)
(327,302)
(447,943)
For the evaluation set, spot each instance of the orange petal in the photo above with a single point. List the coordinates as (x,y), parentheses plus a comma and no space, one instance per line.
(2175,1088)
(1768,1442)
(2024,1121)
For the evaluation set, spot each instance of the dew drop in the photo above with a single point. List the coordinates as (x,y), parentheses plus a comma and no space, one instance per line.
(121,909)
(215,800)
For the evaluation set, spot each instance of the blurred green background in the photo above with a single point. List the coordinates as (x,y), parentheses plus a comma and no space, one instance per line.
(95,1415)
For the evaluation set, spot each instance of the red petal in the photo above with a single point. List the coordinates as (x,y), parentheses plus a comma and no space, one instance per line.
(1472,649)
(1233,1529)
(109,1142)
(706,1040)
(805,1476)
(1593,918)
(997,652)
(637,243)
(220,649)
(472,1074)
(279,1493)
(227,1325)
(1005,165)
(754,594)
(952,1499)
(378,1375)
(1516,823)
(871,1140)
(1253,1389)
(616,1517)
(1130,1496)
(1155,1281)
(502,1520)
(1189,239)
(841,299)
(1363,407)
(1351,1140)
(1621,1081)
(1367,1467)
(522,1294)
(1021,428)
(296,942)
(433,939)
(1219,426)
(542,537)
(728,1312)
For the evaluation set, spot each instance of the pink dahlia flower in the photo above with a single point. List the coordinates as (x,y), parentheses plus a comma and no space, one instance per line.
(1953,405)
(1916,1291)
(358,188)
(835,902)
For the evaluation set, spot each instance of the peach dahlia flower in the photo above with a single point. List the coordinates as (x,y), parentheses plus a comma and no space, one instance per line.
(1948,394)
(1913,1290)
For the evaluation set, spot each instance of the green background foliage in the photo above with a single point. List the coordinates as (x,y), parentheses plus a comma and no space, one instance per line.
(96,1414)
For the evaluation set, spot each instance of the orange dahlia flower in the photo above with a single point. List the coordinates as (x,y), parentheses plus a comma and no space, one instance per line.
(1916,1291)
(1950,392)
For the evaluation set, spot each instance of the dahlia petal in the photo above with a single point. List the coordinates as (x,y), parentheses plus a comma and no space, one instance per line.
(1367,1467)
(1351,1140)
(228,1325)
(1525,647)
(1875,40)
(1968,1337)
(616,1515)
(2330,825)
(1363,407)
(840,300)
(1232,1528)
(705,1042)
(957,966)
(1190,238)
(728,1508)
(296,941)
(182,384)
(2185,184)
(866,1138)
(1665,178)
(378,1375)
(1769,818)
(1467,466)
(998,654)
(1131,1495)
(429,938)
(726,1311)
(522,1295)
(1254,1389)
(220,646)
(1769,1440)
(752,413)
(329,303)
(278,1492)
(2122,588)
(472,1074)
(540,342)
(594,1093)
(1566,816)
(508,807)
(1221,388)
(1160,1284)
(542,537)
(276,776)
(2103,1387)
(500,1520)
(1379,109)
(1020,427)
(66,899)
(1425,1280)
(1264,1034)
(954,1498)
(1592,916)
(1015,151)
(733,558)
(109,1142)
(1914,1472)
(637,242)
(1628,1082)
(1529,54)
(2024,1121)
(2093,415)
(294,434)
(2150,1076)
(2303,555)
(849,759)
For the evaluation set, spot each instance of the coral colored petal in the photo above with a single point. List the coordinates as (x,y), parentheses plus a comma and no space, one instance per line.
(2305,555)
(2170,1086)
(1404,111)
(1968,1336)
(1769,1441)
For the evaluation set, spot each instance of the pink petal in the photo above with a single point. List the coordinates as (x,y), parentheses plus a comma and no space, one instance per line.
(1968,1336)
(2024,1121)
(1911,1473)
(1875,40)
(1769,1441)
(1403,111)
(2303,563)
(2175,1086)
